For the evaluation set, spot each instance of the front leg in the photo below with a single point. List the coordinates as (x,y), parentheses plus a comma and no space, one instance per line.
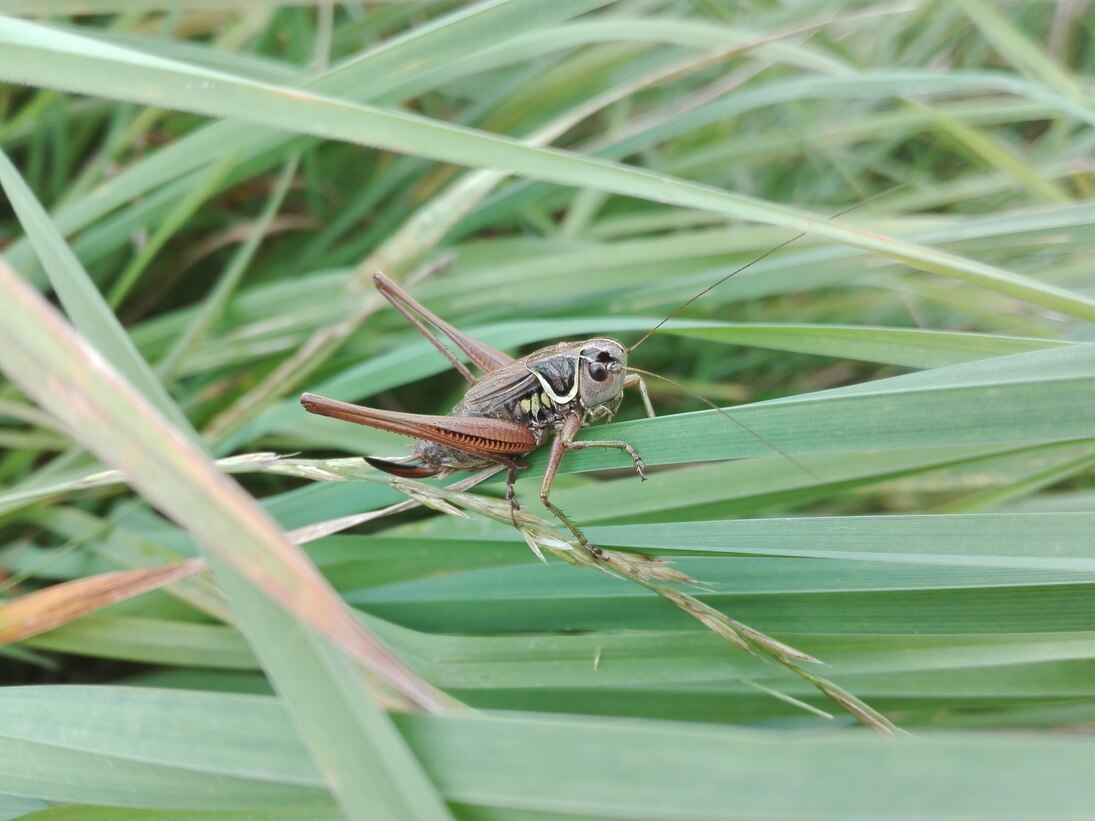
(636,380)
(564,441)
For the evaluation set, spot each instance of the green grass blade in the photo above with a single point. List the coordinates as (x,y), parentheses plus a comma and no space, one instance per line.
(507,763)
(183,210)
(30,57)
(913,348)
(249,554)
(226,286)
(934,552)
(377,72)
(82,301)
(1018,49)
(1018,399)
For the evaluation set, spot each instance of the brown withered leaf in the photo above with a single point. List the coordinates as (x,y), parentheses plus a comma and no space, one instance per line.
(47,609)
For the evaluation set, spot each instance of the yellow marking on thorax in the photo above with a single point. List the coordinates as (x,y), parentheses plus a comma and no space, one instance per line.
(551,394)
(532,404)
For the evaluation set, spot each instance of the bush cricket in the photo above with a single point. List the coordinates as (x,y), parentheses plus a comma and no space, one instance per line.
(510,410)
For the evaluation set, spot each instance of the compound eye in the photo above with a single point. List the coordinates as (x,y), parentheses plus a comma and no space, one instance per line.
(598,371)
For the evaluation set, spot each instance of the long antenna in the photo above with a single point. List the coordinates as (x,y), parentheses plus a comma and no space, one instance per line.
(772,446)
(753,262)
(715,285)
(737,422)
